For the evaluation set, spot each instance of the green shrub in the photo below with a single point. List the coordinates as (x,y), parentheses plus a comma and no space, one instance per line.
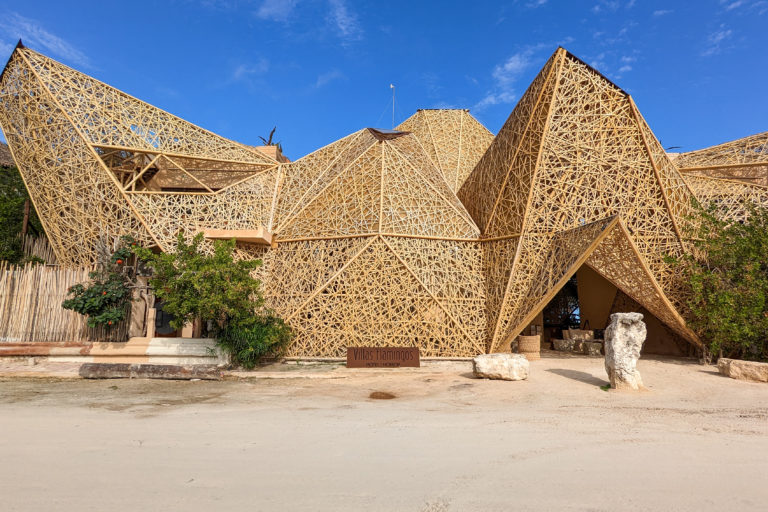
(105,299)
(268,336)
(195,285)
(219,291)
(727,275)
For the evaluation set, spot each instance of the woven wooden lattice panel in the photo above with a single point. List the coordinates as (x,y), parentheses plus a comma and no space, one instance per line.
(742,159)
(75,195)
(731,197)
(453,139)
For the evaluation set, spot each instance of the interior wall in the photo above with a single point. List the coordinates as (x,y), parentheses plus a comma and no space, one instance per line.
(599,298)
(660,340)
(596,297)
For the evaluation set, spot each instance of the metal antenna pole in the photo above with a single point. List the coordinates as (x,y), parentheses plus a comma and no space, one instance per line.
(392,86)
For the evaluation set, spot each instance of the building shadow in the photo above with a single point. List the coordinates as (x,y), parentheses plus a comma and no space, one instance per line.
(584,377)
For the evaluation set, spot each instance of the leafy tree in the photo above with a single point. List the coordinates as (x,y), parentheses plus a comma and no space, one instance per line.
(104,300)
(13,196)
(727,273)
(211,287)
(219,291)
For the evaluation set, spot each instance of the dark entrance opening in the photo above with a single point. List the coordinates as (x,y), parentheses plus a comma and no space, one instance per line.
(587,300)
(563,311)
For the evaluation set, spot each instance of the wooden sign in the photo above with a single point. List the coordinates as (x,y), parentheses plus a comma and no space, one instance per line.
(383,357)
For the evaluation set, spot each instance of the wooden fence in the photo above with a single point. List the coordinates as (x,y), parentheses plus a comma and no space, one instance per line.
(30,307)
(39,247)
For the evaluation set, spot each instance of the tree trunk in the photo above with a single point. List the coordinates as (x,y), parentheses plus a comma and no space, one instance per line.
(25,222)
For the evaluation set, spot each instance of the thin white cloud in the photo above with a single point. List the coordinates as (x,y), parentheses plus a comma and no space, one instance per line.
(598,62)
(5,50)
(218,4)
(729,5)
(625,68)
(760,6)
(609,5)
(715,41)
(662,12)
(13,26)
(536,3)
(330,76)
(506,73)
(445,105)
(344,21)
(276,10)
(505,76)
(249,69)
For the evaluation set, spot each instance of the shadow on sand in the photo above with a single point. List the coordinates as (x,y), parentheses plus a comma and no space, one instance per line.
(584,377)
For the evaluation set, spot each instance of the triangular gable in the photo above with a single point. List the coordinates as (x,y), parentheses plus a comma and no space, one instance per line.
(607,247)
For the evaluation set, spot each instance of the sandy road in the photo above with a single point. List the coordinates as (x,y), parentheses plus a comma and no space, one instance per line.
(694,441)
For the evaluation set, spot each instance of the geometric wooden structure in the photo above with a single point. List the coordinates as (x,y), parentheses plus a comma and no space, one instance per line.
(731,197)
(83,147)
(574,151)
(436,235)
(375,249)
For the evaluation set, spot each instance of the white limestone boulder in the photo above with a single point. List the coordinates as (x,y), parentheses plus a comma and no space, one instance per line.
(624,338)
(501,366)
(743,370)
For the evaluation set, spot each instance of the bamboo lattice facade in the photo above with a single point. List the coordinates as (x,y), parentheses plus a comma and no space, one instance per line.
(453,139)
(740,160)
(438,235)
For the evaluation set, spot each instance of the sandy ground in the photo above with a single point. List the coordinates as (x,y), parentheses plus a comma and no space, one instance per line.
(447,442)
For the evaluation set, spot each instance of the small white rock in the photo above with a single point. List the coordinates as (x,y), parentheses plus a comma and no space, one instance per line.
(501,366)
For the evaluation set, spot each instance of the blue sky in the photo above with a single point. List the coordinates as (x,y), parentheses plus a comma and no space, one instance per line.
(320,69)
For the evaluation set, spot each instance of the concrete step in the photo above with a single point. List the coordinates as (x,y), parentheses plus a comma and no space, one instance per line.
(175,351)
(149,371)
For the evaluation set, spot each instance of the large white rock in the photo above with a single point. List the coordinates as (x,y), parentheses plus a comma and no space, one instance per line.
(743,370)
(624,338)
(501,366)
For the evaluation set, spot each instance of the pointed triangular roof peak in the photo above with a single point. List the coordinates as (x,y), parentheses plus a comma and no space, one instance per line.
(375,181)
(453,139)
(499,184)
(18,46)
(571,56)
